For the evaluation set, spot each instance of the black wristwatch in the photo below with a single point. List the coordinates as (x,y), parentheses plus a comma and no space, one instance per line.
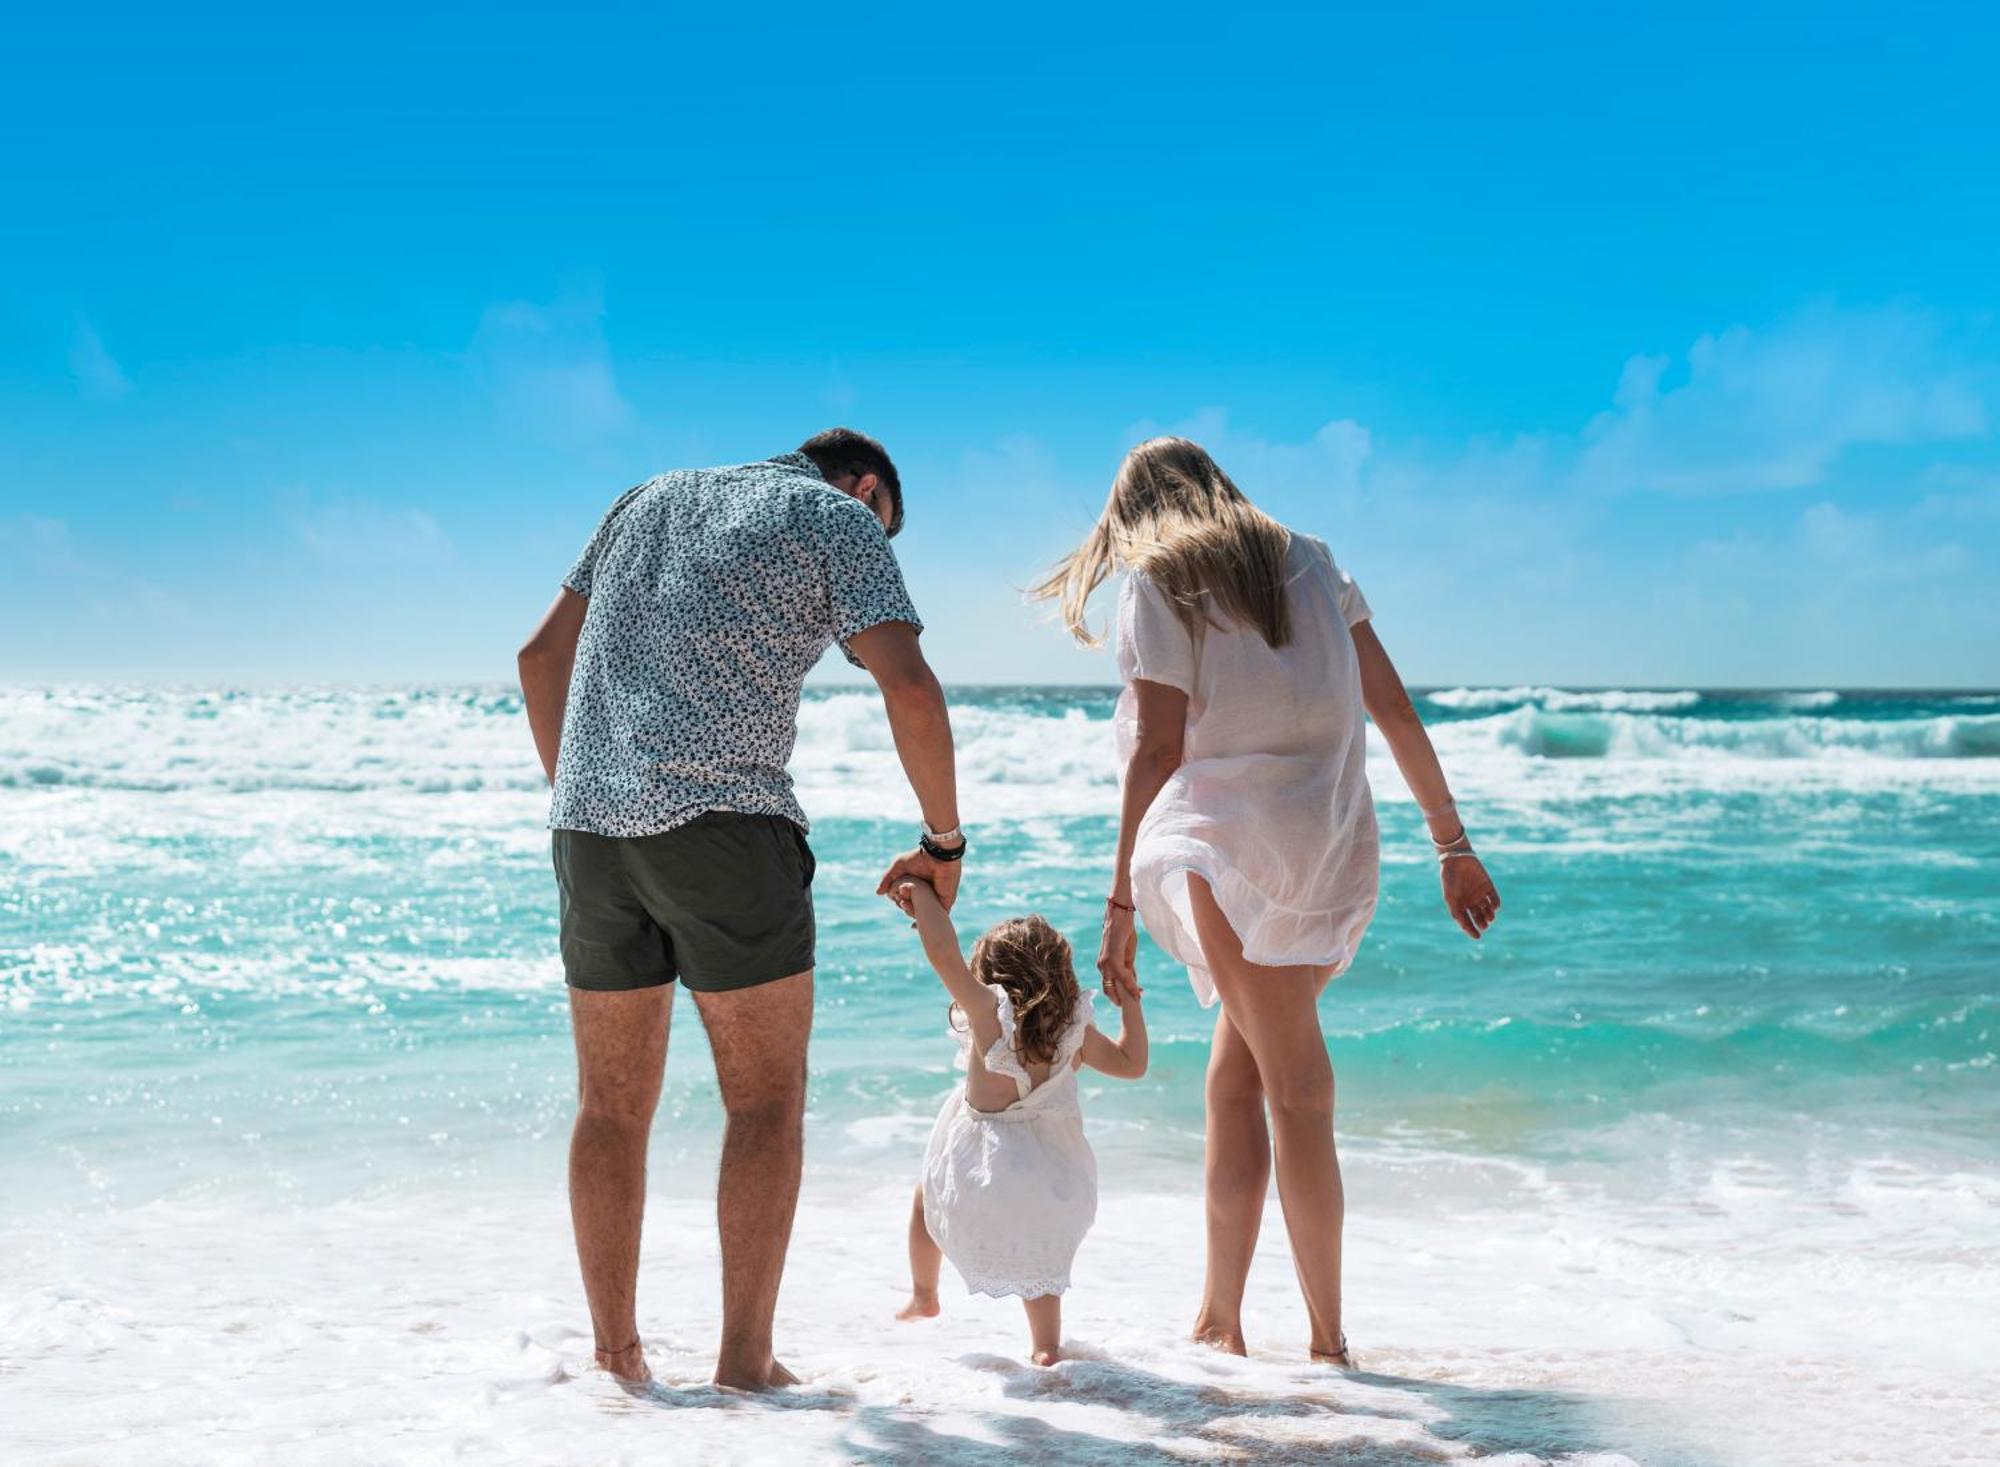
(927,842)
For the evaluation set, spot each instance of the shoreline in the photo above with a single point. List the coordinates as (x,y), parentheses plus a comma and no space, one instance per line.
(435,1326)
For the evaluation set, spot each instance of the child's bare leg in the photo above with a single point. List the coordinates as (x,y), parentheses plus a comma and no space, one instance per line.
(925,1260)
(1045,1327)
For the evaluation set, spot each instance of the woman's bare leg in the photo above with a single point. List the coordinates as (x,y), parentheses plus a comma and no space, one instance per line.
(1238,1176)
(926,1259)
(1276,1011)
(1045,1327)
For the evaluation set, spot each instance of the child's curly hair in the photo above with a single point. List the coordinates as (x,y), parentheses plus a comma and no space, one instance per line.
(1032,962)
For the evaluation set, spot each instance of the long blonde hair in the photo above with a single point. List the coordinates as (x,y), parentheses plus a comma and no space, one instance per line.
(1174,515)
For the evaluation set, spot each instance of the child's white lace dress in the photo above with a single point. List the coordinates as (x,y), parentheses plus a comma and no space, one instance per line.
(1009,1194)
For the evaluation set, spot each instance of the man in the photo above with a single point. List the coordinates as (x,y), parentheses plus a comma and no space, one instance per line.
(663,691)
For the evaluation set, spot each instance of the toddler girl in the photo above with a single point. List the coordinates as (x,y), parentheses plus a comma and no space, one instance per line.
(1010,1184)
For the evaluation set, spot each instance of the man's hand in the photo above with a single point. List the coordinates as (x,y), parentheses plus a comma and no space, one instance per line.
(941,876)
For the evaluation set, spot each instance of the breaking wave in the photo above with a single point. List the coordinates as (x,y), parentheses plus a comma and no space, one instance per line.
(1034,751)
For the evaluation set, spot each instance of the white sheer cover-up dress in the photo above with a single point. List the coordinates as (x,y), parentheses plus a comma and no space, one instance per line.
(1010,1194)
(1271,804)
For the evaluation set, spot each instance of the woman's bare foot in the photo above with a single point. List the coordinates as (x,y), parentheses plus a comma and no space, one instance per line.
(923,1305)
(1046,1357)
(1342,1358)
(769,1376)
(1219,1335)
(627,1363)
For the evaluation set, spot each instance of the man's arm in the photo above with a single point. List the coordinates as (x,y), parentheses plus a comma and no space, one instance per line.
(922,727)
(545,661)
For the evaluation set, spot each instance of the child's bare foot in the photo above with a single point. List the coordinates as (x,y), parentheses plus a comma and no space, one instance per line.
(1223,1335)
(627,1364)
(923,1305)
(1046,1357)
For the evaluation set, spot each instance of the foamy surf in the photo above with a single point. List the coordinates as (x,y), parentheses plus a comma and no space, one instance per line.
(449,1327)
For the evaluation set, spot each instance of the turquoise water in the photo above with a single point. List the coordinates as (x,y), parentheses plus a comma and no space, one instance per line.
(301,942)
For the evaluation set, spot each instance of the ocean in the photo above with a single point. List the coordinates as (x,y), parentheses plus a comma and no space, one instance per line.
(1694,1159)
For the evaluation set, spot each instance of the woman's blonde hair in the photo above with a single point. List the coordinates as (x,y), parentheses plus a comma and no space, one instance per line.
(1032,962)
(1174,515)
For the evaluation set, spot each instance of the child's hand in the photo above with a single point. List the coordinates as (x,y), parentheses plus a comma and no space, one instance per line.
(904,894)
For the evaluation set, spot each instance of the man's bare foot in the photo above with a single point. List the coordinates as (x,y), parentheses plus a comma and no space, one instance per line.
(1046,1357)
(769,1376)
(923,1305)
(1228,1338)
(628,1363)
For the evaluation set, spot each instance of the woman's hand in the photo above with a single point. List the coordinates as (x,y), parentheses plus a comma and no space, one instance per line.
(1118,953)
(1469,894)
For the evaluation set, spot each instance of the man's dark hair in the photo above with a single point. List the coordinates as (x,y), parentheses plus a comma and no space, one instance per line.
(840,451)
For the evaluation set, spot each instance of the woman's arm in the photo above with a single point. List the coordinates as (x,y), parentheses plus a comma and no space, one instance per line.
(1124,1058)
(1156,754)
(941,946)
(1469,893)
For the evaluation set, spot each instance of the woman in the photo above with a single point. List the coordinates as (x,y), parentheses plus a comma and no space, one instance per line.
(1247,840)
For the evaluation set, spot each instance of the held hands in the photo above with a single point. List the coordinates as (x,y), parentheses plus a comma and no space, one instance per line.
(1118,955)
(918,900)
(940,876)
(904,895)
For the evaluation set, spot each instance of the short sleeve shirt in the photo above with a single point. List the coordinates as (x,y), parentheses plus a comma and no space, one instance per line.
(1156,646)
(713,592)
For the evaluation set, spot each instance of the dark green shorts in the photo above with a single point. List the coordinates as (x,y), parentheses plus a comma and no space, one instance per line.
(722,902)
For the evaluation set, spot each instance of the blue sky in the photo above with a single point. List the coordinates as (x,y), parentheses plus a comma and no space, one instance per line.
(1603,347)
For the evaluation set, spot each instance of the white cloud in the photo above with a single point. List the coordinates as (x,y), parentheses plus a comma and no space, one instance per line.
(359,534)
(40,544)
(1541,553)
(1329,461)
(93,586)
(549,368)
(98,375)
(1773,408)
(1968,496)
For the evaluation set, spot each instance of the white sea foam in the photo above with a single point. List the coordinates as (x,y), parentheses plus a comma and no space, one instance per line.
(1629,700)
(450,1326)
(461,750)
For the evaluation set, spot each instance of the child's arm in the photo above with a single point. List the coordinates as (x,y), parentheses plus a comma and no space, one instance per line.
(1126,1058)
(941,947)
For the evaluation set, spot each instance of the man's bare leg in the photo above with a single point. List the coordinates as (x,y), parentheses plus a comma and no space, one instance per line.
(621,1053)
(926,1262)
(759,1039)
